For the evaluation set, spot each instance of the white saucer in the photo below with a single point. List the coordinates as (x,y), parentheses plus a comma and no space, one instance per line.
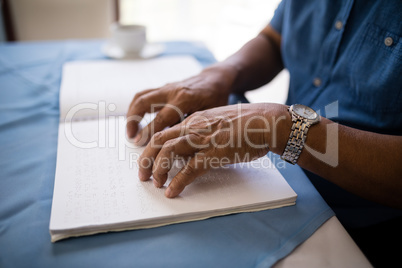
(150,50)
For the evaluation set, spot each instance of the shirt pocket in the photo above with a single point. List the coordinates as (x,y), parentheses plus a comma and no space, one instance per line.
(376,70)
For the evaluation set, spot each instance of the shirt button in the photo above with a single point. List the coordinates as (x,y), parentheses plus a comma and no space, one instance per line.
(338,25)
(317,82)
(388,41)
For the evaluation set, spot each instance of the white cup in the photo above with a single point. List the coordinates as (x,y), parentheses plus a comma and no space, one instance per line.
(130,38)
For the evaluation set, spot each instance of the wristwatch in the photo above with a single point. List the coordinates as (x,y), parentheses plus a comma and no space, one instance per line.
(303,118)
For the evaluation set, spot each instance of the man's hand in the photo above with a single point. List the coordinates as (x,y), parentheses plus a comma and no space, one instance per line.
(173,101)
(209,139)
(251,67)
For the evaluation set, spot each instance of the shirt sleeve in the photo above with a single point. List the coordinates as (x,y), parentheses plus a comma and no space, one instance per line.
(277,19)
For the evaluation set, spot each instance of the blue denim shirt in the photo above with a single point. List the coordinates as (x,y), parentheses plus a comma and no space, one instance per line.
(347,53)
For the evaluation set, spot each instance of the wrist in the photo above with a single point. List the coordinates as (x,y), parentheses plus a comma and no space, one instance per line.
(223,75)
(280,123)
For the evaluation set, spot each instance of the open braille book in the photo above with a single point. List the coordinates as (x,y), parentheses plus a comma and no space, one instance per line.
(96,184)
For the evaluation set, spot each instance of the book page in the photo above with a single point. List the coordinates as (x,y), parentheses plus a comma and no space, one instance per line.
(106,87)
(98,184)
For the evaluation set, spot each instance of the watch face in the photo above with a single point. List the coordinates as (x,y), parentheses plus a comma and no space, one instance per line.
(304,111)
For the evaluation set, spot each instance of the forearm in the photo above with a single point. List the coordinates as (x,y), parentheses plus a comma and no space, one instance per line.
(254,65)
(361,162)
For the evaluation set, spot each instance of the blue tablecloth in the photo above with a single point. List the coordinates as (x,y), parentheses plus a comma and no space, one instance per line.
(30,75)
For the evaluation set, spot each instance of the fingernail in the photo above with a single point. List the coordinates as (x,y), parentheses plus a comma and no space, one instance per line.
(137,138)
(141,176)
(168,193)
(156,183)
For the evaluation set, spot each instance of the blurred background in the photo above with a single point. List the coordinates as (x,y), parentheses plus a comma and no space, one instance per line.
(222,25)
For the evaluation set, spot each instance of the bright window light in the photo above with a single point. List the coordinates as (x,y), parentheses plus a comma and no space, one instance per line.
(222,25)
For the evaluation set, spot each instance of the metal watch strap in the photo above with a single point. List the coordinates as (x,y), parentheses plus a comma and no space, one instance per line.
(296,141)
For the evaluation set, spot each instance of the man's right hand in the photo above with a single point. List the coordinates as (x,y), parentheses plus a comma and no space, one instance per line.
(173,101)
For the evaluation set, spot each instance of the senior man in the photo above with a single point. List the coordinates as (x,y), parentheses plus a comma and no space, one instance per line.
(344,54)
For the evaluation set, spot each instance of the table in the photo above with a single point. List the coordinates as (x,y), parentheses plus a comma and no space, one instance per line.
(30,76)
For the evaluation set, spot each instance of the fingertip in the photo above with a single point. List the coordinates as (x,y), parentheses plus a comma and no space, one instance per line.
(157,184)
(137,138)
(142,176)
(130,133)
(173,190)
(131,130)
(159,179)
(141,139)
(169,193)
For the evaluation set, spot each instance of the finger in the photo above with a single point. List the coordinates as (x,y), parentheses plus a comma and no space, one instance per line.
(193,169)
(146,159)
(175,149)
(142,92)
(135,100)
(166,117)
(140,105)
